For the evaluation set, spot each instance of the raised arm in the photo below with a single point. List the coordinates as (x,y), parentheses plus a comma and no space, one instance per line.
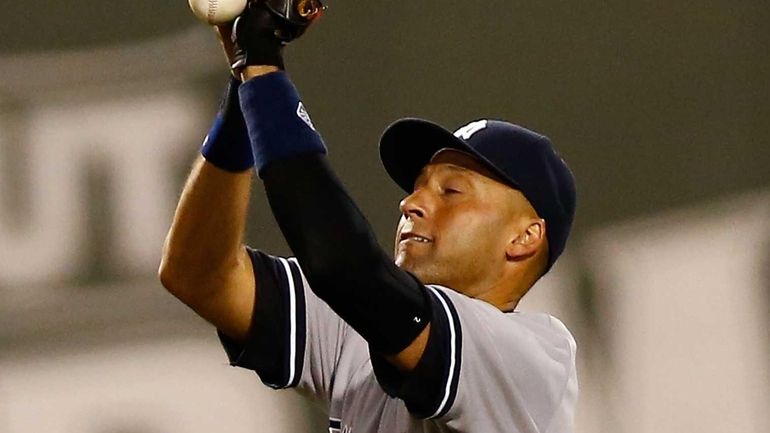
(204,262)
(330,237)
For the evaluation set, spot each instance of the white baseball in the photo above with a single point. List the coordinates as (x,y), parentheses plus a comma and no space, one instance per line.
(217,12)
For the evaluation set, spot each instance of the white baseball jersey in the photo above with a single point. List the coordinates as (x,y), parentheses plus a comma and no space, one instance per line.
(482,371)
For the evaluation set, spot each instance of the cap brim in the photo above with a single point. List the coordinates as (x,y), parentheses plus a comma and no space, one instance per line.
(408,145)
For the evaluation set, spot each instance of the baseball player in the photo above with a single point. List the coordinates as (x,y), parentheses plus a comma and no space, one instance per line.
(428,342)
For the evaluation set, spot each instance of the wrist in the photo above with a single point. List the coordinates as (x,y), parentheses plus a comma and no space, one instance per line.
(227,144)
(278,124)
(250,72)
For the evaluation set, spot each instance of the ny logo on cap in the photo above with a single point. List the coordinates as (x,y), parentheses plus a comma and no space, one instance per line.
(467,131)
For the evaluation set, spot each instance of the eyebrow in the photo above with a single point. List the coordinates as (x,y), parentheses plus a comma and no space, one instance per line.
(457,168)
(449,166)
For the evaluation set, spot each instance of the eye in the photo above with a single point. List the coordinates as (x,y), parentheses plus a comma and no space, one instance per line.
(451,190)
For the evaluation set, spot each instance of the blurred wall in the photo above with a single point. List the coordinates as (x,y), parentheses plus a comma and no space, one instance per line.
(89,341)
(660,109)
(684,306)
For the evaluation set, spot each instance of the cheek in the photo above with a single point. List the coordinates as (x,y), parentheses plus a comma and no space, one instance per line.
(474,233)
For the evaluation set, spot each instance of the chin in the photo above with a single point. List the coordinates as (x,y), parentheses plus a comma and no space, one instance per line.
(426,270)
(425,274)
(410,266)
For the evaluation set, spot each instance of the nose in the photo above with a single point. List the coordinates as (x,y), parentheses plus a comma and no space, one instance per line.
(413,205)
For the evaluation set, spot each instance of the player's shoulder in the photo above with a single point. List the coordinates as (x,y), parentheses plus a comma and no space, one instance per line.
(540,322)
(543,326)
(548,328)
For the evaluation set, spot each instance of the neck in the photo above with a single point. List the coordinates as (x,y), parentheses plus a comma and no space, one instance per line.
(504,299)
(508,290)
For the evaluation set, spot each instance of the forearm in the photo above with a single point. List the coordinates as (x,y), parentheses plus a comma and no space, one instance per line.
(322,224)
(340,254)
(343,261)
(204,262)
(205,239)
(332,240)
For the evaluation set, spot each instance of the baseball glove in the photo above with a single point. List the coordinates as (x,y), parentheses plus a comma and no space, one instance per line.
(266,26)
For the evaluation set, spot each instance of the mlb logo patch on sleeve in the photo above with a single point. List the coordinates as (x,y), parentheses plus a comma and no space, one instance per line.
(304,115)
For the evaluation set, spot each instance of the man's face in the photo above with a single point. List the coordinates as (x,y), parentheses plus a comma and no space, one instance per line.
(457,223)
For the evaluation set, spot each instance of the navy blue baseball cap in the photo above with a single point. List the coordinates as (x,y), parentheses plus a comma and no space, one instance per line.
(524,159)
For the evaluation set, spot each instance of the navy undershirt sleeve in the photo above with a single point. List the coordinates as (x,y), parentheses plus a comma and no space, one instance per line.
(340,255)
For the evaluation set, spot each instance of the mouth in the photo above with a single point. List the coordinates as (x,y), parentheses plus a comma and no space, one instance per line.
(414,237)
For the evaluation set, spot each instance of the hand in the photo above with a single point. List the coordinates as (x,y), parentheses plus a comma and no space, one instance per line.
(266,26)
(224,34)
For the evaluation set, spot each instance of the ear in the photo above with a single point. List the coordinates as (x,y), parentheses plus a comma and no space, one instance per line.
(528,242)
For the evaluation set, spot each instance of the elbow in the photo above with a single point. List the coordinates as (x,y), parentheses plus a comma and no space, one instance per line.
(195,278)
(170,276)
(175,273)
(183,282)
